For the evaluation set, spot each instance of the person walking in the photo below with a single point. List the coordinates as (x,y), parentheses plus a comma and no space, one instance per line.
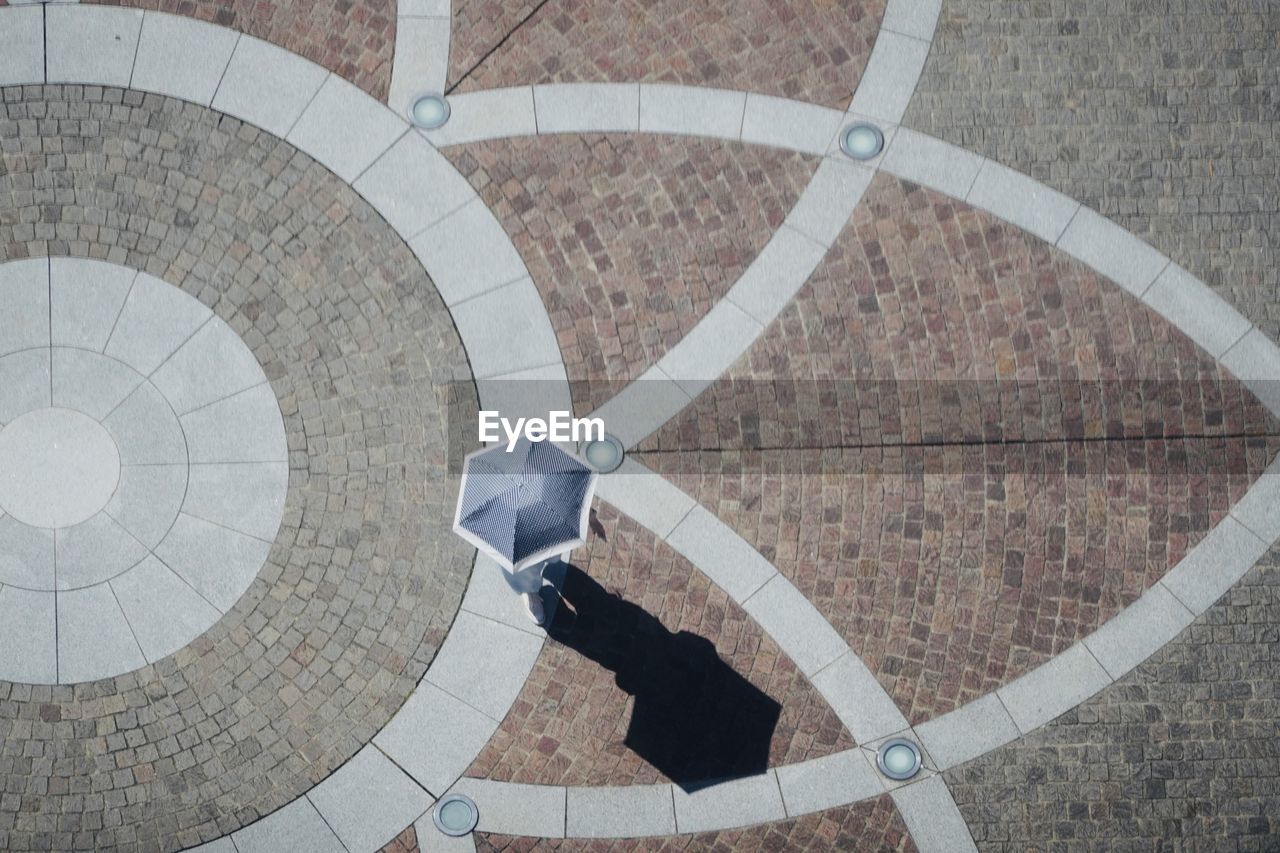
(527,508)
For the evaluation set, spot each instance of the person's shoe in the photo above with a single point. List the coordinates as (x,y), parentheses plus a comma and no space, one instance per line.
(534,609)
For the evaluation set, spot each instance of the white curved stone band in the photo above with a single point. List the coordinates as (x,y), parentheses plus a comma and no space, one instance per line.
(142,469)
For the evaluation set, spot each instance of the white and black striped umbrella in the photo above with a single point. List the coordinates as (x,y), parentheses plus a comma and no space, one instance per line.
(524,506)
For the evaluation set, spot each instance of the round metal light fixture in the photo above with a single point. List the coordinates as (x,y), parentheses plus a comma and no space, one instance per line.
(429,111)
(455,815)
(898,758)
(605,455)
(861,141)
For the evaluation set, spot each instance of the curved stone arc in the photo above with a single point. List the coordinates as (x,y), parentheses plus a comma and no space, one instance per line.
(662,108)
(425,748)
(782,266)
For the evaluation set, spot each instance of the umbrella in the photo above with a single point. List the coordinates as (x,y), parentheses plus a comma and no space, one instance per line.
(524,506)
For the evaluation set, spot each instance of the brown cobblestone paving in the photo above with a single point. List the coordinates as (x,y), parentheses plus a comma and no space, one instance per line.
(989,334)
(631,239)
(1160,115)
(478,26)
(354,39)
(568,724)
(811,50)
(873,826)
(364,578)
(953,569)
(405,842)
(1180,754)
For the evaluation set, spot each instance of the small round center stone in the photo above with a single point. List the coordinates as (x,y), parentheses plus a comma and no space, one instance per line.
(58,467)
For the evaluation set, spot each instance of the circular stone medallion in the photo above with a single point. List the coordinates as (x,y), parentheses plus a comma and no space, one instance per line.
(142,470)
(58,467)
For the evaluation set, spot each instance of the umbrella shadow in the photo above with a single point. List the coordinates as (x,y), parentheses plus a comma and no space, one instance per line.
(696,720)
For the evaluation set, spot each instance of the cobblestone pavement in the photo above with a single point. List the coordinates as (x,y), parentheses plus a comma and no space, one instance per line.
(1180,753)
(953,569)
(1022,344)
(364,577)
(812,50)
(569,724)
(1160,116)
(631,239)
(867,826)
(355,40)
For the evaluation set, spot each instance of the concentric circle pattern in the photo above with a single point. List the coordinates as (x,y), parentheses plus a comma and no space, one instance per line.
(117,549)
(278,332)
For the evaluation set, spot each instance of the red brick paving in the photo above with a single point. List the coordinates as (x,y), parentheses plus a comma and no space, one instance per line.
(812,50)
(355,40)
(569,722)
(631,239)
(952,570)
(873,825)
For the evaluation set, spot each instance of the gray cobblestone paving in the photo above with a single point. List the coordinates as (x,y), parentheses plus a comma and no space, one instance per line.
(364,577)
(1160,115)
(1182,754)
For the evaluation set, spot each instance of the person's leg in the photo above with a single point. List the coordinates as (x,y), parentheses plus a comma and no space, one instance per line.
(526,580)
(528,583)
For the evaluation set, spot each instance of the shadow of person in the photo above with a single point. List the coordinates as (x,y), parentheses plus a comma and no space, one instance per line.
(696,720)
